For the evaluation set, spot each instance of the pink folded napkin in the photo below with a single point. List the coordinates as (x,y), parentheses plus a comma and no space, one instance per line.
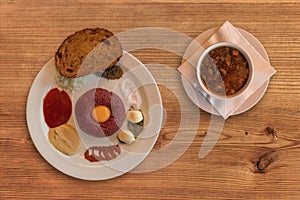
(262,70)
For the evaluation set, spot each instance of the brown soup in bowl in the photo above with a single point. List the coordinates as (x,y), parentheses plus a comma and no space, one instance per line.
(223,70)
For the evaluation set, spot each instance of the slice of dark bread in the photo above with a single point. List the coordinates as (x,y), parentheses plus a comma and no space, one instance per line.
(87,51)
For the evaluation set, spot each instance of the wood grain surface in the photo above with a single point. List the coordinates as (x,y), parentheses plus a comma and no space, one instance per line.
(248,162)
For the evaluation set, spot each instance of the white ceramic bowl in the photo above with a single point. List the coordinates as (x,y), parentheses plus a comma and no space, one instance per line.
(203,85)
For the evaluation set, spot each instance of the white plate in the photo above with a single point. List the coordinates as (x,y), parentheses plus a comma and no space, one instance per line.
(131,155)
(198,99)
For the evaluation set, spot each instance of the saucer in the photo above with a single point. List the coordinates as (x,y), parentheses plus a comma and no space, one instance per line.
(198,99)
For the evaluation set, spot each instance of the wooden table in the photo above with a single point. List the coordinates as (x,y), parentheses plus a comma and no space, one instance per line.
(246,163)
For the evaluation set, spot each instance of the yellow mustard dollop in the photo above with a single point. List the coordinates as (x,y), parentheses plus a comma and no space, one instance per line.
(65,139)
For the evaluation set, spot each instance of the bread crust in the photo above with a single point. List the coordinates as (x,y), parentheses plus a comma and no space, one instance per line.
(87,51)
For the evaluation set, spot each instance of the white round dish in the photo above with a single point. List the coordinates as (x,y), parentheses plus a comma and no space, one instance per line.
(202,83)
(198,99)
(131,155)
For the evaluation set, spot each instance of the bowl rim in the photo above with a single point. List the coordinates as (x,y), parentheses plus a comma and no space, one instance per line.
(243,89)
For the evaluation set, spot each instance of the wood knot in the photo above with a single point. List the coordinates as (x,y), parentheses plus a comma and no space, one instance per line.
(265,160)
(27,139)
(271,131)
(157,145)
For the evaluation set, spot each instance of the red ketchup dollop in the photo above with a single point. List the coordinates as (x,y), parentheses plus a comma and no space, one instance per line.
(57,108)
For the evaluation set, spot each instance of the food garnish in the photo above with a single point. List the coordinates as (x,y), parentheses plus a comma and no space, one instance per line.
(113,72)
(134,116)
(126,136)
(135,120)
(102,153)
(70,84)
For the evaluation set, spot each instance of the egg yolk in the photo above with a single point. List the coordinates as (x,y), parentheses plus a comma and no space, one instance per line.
(101,113)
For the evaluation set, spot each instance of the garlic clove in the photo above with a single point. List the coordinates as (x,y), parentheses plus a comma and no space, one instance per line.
(126,136)
(134,116)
